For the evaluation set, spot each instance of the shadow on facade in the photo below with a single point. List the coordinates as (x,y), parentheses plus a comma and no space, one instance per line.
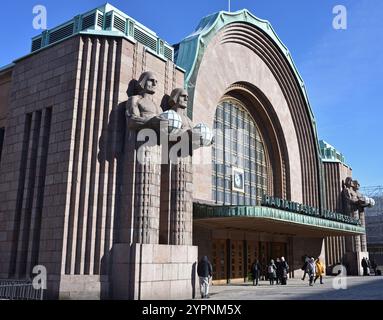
(111,149)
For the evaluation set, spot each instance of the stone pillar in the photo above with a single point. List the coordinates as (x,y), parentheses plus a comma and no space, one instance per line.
(363,238)
(181,207)
(228,261)
(144,269)
(357,247)
(147,195)
(349,241)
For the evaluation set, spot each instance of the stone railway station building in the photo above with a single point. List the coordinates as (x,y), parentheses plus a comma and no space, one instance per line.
(270,188)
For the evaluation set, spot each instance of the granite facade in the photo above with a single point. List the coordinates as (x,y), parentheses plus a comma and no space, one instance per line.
(61,170)
(69,182)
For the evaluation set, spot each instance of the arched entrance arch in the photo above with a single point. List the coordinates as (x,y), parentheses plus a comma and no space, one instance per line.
(254,83)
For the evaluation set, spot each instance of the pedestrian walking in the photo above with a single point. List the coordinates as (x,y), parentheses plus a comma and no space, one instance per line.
(311,271)
(374,266)
(320,270)
(256,270)
(278,272)
(284,271)
(368,266)
(304,267)
(272,272)
(364,266)
(205,272)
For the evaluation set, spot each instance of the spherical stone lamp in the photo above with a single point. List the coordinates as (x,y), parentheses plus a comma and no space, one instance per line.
(174,121)
(369,201)
(205,133)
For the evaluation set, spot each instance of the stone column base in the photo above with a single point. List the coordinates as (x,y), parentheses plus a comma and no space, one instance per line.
(353,262)
(154,272)
(83,287)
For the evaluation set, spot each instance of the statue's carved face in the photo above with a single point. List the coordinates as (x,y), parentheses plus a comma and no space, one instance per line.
(355,184)
(183,99)
(151,85)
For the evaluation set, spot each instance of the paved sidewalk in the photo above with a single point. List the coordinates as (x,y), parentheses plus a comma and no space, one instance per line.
(358,288)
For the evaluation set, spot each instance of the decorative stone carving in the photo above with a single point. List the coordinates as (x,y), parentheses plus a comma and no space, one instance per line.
(146,182)
(350,207)
(143,113)
(181,171)
(181,182)
(353,204)
(350,199)
(363,202)
(178,102)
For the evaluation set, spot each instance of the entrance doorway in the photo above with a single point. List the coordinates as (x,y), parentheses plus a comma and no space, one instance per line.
(232,259)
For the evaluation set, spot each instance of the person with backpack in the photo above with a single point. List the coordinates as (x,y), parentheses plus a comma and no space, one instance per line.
(204,271)
(272,272)
(256,270)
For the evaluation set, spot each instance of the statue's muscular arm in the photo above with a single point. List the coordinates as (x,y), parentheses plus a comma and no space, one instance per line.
(136,119)
(133,114)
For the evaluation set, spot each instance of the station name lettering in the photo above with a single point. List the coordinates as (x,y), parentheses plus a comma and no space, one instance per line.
(286,205)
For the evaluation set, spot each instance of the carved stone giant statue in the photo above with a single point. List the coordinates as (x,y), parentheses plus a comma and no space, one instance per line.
(156,196)
(180,173)
(354,204)
(143,113)
(363,202)
(350,199)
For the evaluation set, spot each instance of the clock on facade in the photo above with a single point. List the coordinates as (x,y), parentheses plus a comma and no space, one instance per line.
(238,180)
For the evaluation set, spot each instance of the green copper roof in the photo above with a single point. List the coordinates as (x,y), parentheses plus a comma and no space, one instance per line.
(205,212)
(105,20)
(330,154)
(189,53)
(191,49)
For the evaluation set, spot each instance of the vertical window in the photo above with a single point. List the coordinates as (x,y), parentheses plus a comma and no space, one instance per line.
(238,147)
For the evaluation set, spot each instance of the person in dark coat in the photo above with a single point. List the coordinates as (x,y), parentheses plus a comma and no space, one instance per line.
(256,270)
(278,265)
(284,270)
(305,265)
(374,266)
(364,266)
(205,272)
(368,266)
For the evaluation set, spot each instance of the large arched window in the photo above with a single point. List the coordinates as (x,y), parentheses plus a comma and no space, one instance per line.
(239,157)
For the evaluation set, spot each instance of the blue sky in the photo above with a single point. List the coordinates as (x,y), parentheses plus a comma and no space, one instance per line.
(342,69)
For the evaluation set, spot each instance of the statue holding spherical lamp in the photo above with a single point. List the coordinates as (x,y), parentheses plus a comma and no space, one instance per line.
(354,204)
(155,196)
(144,123)
(183,140)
